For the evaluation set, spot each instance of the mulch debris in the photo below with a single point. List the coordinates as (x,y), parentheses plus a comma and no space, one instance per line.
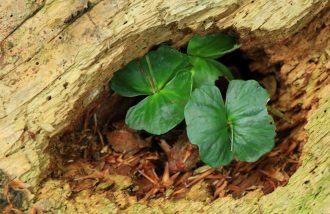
(167,165)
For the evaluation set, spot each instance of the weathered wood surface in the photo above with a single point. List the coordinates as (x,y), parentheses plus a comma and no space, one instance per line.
(57,55)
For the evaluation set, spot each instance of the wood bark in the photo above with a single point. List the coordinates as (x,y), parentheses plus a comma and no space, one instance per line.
(57,56)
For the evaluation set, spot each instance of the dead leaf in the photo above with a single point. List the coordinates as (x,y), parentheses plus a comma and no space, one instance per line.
(125,142)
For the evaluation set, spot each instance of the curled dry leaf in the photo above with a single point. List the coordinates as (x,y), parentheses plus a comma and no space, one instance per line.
(183,156)
(125,141)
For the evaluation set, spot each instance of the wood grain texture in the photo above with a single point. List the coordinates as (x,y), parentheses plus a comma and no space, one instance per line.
(56,56)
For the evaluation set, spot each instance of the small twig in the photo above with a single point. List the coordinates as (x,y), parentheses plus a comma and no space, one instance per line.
(95,175)
(179,191)
(129,160)
(183,178)
(220,188)
(199,177)
(153,191)
(101,137)
(215,177)
(152,156)
(166,175)
(201,169)
(86,121)
(165,147)
(147,177)
(95,123)
(187,154)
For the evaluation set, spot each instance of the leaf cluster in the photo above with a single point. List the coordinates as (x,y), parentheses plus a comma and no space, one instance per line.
(181,86)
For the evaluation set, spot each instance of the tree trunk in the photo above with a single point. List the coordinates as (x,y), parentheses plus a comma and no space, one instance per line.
(56,58)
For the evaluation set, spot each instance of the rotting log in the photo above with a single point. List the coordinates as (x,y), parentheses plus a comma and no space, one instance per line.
(56,57)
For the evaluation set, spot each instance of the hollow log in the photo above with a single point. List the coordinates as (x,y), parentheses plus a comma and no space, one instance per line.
(57,57)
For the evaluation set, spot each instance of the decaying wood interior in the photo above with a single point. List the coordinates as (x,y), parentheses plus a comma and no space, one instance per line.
(57,56)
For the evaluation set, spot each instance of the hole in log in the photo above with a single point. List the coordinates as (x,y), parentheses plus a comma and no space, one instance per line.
(65,85)
(85,155)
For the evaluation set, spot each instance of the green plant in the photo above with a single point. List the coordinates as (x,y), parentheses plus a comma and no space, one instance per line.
(240,127)
(203,50)
(179,86)
(164,76)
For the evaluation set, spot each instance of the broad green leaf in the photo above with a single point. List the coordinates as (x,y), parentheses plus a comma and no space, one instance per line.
(240,128)
(129,81)
(212,45)
(207,71)
(253,127)
(148,75)
(159,113)
(207,128)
